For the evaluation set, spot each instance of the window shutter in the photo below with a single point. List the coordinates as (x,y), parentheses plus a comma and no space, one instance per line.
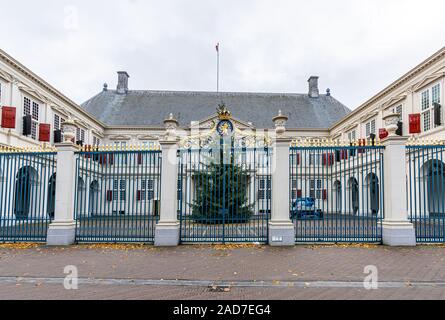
(344,154)
(57,136)
(44,132)
(27,124)
(338,155)
(328,159)
(352,150)
(414,123)
(139,195)
(139,159)
(8,117)
(109,195)
(111,159)
(361,143)
(299,193)
(383,133)
(325,194)
(399,130)
(437,120)
(298,159)
(88,149)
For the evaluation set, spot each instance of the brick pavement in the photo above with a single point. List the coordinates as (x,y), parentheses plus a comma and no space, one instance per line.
(299,264)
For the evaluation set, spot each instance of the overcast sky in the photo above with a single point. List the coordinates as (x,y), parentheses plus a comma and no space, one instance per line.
(356,47)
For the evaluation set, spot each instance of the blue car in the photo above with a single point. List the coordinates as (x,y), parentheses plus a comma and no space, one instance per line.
(303,208)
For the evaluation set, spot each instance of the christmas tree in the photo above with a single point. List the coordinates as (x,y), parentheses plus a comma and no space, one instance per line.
(221,193)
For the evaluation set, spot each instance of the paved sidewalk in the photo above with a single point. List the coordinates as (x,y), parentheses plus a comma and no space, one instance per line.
(217,272)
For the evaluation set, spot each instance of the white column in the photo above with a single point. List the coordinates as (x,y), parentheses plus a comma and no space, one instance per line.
(397,229)
(62,230)
(281,228)
(167,229)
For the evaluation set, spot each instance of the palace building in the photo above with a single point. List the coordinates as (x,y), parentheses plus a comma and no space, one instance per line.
(334,166)
(33,110)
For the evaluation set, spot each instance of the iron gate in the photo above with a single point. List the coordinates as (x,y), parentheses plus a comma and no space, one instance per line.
(426,191)
(27,194)
(117,194)
(337,192)
(224,194)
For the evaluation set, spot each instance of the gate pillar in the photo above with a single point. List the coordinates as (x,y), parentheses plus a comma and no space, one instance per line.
(167,230)
(281,228)
(62,231)
(397,230)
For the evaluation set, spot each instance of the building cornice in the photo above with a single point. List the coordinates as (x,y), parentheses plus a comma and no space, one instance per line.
(396,84)
(35,78)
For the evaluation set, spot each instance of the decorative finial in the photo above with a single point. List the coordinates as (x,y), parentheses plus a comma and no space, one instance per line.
(280,123)
(105,86)
(223,112)
(328,92)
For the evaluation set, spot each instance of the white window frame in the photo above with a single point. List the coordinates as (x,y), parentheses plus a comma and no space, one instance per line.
(352,135)
(316,187)
(147,190)
(32,109)
(265,188)
(427,98)
(370,127)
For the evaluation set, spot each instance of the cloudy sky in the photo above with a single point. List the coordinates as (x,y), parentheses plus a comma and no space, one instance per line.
(357,47)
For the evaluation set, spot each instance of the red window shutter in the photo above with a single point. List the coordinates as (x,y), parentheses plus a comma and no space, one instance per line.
(383,133)
(361,143)
(344,154)
(109,195)
(139,195)
(88,148)
(102,159)
(298,159)
(325,194)
(299,193)
(44,132)
(414,123)
(111,159)
(8,117)
(139,158)
(328,159)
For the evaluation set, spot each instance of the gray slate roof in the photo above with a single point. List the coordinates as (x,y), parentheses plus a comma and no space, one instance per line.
(150,108)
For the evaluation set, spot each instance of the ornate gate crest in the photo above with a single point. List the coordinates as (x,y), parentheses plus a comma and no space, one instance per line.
(225,129)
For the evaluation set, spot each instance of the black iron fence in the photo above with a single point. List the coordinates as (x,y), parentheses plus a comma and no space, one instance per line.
(117,194)
(336,191)
(27,194)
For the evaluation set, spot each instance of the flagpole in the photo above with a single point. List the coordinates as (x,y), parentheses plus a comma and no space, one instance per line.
(217,68)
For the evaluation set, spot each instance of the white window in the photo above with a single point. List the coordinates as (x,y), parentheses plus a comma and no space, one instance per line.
(264,192)
(428,98)
(426,120)
(80,134)
(147,190)
(399,110)
(435,98)
(119,190)
(370,128)
(352,135)
(316,189)
(32,108)
(96,141)
(425,100)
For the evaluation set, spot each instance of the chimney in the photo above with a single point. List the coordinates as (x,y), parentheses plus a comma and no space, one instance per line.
(313,87)
(122,82)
